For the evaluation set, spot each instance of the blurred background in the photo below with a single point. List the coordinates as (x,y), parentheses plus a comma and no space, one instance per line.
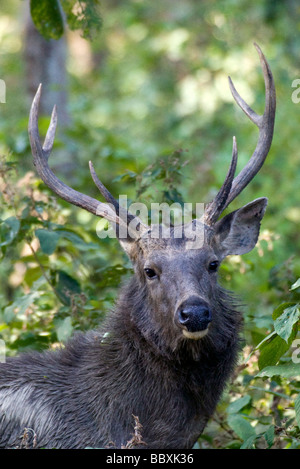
(142,91)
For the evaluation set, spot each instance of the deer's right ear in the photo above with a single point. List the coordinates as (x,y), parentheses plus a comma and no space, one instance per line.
(129,235)
(237,232)
(128,246)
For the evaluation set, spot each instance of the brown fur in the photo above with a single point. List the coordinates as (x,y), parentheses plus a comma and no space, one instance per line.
(139,363)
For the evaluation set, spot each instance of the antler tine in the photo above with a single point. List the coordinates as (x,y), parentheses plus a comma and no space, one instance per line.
(265,124)
(40,159)
(103,190)
(123,213)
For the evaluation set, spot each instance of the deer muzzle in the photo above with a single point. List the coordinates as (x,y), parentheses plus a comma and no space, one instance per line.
(193,316)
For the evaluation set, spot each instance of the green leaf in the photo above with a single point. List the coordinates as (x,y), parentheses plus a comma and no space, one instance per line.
(241,426)
(83,15)
(64,329)
(283,325)
(76,240)
(297,409)
(9,229)
(295,285)
(48,240)
(270,435)
(19,307)
(238,404)
(289,370)
(248,444)
(66,286)
(280,309)
(129,175)
(259,346)
(47,18)
(272,351)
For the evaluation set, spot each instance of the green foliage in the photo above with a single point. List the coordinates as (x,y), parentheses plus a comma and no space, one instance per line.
(48,17)
(53,280)
(83,15)
(267,413)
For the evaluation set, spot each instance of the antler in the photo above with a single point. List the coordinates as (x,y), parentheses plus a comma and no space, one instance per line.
(265,123)
(111,212)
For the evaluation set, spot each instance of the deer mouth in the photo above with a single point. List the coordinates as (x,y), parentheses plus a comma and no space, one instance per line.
(194,317)
(195,335)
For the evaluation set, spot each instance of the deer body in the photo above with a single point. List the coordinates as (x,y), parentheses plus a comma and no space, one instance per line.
(87,394)
(167,350)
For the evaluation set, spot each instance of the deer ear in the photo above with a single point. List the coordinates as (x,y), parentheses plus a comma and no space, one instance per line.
(128,238)
(129,246)
(237,232)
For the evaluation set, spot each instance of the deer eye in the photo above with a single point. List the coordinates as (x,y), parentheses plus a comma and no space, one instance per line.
(213,266)
(150,273)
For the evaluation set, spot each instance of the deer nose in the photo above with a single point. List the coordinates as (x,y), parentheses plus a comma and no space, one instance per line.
(194,315)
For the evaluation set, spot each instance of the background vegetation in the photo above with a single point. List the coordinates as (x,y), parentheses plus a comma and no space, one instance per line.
(147,100)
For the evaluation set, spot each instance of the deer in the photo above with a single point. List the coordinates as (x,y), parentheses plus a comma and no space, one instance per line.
(167,351)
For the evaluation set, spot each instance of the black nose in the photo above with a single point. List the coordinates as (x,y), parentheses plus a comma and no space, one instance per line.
(194,314)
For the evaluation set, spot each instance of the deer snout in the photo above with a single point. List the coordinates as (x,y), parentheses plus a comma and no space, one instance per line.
(194,316)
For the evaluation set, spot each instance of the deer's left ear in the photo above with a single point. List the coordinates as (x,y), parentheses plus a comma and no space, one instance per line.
(237,232)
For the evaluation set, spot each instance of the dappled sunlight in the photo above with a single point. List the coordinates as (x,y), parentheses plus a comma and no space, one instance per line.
(80,61)
(205,90)
(196,93)
(10,40)
(266,240)
(171,43)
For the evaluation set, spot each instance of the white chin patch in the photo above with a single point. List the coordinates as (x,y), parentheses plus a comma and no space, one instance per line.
(194,335)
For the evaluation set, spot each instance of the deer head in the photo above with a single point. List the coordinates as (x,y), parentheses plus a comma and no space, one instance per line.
(179,284)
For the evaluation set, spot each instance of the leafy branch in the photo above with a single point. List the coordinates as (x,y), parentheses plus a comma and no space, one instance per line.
(50,17)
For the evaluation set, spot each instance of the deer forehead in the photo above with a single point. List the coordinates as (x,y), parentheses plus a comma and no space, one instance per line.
(173,256)
(190,237)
